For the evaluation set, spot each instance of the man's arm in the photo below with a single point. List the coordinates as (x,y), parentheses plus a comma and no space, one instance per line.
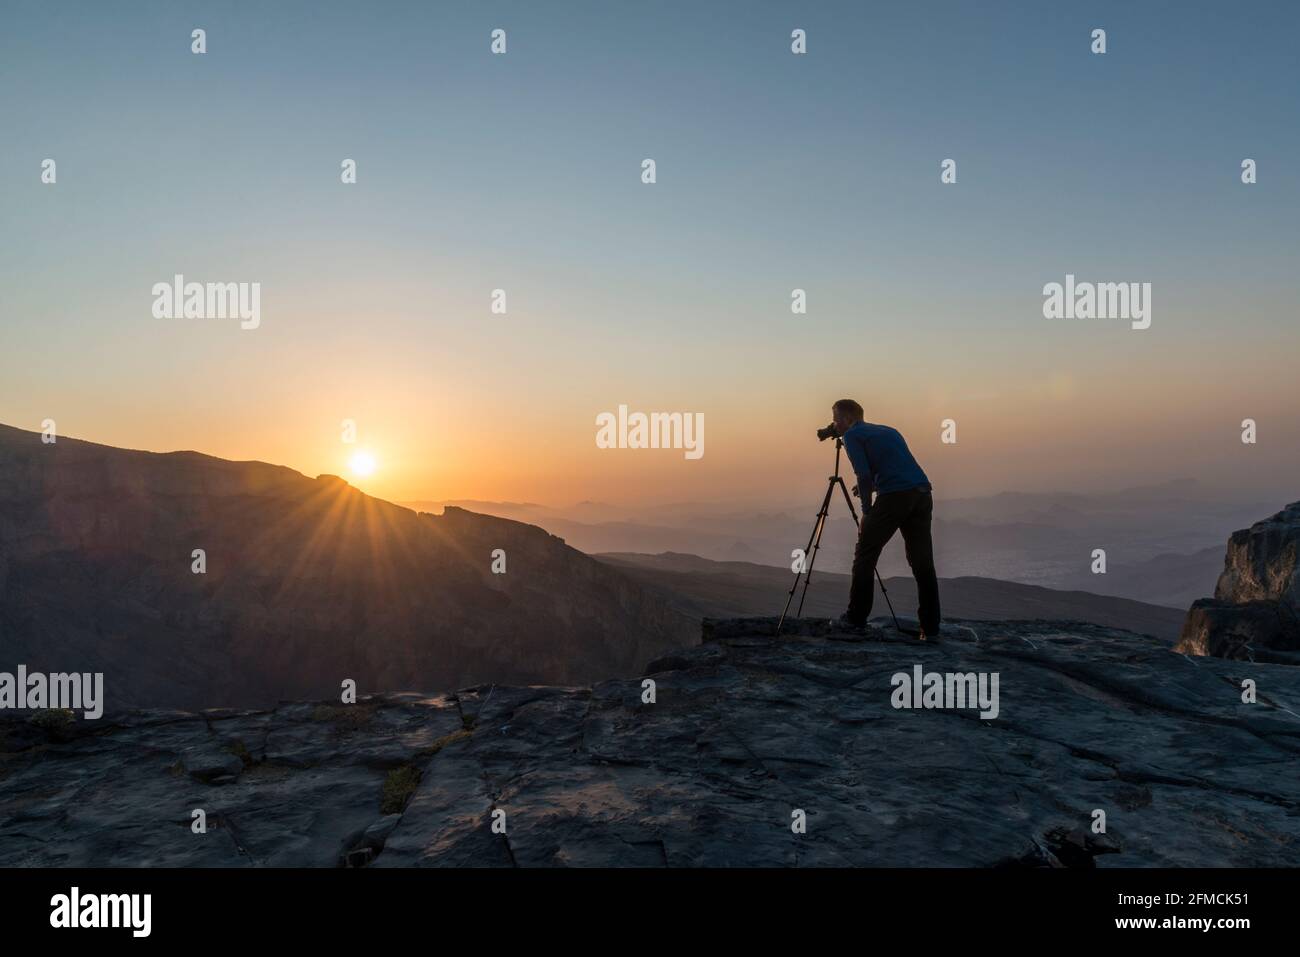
(856,447)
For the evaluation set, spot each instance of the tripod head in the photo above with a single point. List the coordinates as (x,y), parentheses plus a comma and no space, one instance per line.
(839,447)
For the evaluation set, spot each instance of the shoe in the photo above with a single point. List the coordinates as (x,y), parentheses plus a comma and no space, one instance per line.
(849,624)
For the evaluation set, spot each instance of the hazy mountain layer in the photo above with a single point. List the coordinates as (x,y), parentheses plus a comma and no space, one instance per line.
(1163,543)
(734,589)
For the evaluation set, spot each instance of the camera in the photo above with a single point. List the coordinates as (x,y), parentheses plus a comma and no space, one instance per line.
(829,432)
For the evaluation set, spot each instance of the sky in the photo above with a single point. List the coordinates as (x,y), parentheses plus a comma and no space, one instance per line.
(775,172)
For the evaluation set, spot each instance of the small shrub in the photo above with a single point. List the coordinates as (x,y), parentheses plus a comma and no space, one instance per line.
(442,742)
(240,750)
(399,786)
(344,715)
(54,719)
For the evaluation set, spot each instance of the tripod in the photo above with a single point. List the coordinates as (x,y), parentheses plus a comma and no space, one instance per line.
(815,541)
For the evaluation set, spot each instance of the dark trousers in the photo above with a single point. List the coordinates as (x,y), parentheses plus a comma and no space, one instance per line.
(908,512)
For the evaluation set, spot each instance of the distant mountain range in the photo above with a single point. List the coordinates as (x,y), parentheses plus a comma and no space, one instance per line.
(308,582)
(1163,543)
(703,588)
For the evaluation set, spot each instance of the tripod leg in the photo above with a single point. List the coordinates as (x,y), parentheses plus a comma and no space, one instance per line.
(884,591)
(817,544)
(848,500)
(813,538)
(803,568)
(812,560)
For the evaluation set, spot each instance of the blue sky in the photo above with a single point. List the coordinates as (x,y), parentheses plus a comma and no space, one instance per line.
(774,171)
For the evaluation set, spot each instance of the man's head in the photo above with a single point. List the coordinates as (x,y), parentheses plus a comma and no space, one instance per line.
(845,413)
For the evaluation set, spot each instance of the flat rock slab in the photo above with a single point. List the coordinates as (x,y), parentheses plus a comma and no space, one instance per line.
(748,732)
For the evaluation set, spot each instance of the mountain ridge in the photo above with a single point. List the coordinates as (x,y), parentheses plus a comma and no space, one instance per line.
(305,583)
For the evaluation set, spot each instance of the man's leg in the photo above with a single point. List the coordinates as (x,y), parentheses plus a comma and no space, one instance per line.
(878,525)
(920,555)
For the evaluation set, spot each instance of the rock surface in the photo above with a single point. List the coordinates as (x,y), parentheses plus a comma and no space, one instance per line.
(307,583)
(746,729)
(1262,562)
(1255,612)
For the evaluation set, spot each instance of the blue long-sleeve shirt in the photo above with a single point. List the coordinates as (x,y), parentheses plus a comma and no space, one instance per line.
(882,461)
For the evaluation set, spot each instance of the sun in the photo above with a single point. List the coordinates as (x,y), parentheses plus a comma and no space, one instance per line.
(362,463)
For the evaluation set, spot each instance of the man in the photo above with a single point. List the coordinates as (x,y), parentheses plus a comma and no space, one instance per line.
(883,463)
